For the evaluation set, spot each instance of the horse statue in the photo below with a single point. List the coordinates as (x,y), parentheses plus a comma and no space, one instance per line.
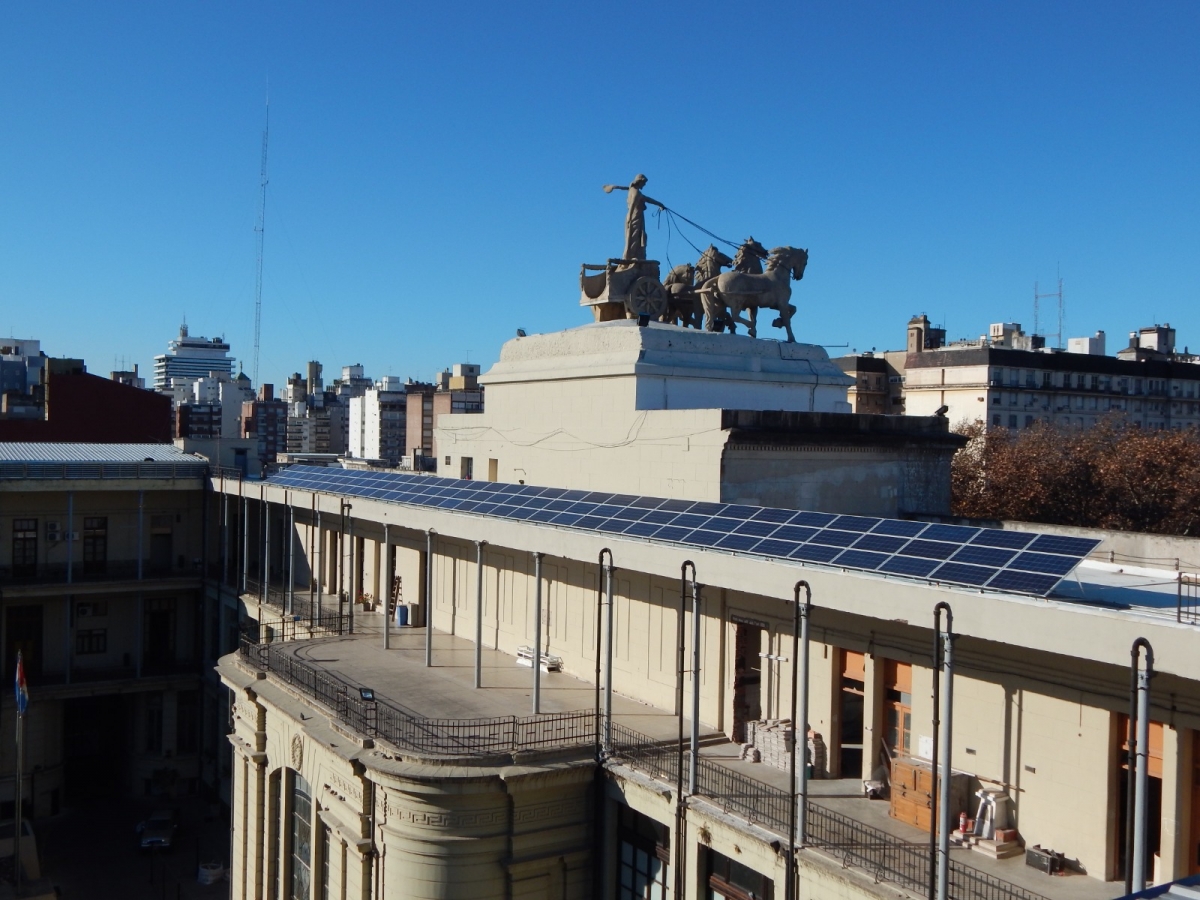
(749,257)
(683,283)
(737,291)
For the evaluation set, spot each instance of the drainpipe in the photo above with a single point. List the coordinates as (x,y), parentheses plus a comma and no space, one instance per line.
(266,555)
(940,818)
(695,742)
(70,525)
(291,601)
(140,529)
(601,728)
(224,535)
(537,627)
(680,810)
(428,594)
(608,652)
(351,555)
(479,545)
(798,808)
(1140,749)
(387,596)
(245,541)
(319,558)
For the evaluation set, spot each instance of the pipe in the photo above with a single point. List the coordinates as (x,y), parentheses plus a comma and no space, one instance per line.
(245,541)
(70,525)
(352,554)
(608,653)
(319,558)
(1142,750)
(600,730)
(291,602)
(942,762)
(429,533)
(266,560)
(140,530)
(224,536)
(479,545)
(798,809)
(537,627)
(680,809)
(695,741)
(387,597)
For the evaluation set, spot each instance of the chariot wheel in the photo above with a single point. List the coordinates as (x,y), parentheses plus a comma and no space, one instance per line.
(647,297)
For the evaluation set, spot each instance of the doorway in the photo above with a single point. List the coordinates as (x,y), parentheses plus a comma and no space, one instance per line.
(1153,795)
(747,678)
(851,699)
(1193,866)
(95,747)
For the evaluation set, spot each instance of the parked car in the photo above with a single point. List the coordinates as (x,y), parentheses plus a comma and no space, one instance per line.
(157,832)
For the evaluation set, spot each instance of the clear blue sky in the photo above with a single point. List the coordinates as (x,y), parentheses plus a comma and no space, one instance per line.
(435,169)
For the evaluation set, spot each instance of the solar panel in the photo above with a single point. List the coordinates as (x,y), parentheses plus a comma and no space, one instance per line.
(991,558)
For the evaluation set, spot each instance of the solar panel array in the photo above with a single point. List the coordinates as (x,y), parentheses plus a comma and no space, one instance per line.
(1014,561)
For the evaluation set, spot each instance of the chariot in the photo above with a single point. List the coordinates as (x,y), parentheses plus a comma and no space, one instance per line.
(623,289)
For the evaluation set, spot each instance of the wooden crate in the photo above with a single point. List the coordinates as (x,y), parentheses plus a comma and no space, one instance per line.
(912,793)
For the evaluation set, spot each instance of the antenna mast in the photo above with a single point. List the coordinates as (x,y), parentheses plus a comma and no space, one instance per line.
(1037,298)
(259,229)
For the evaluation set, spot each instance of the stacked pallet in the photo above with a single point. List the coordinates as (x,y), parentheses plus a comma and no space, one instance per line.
(772,739)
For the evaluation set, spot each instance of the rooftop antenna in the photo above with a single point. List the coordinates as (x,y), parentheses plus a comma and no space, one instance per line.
(1037,300)
(259,230)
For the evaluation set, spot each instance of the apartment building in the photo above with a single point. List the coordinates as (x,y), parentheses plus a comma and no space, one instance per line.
(265,420)
(1010,379)
(378,422)
(189,358)
(101,553)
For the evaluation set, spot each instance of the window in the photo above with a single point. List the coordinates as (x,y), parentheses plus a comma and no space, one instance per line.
(1012,421)
(996,419)
(1047,380)
(301,839)
(996,399)
(24,547)
(95,544)
(1029,421)
(644,857)
(274,863)
(731,880)
(466,468)
(91,640)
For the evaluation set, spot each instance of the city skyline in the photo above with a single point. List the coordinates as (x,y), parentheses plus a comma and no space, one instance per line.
(440,170)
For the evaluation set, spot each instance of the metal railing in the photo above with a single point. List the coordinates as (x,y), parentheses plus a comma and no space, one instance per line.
(380,719)
(303,605)
(1187,598)
(885,856)
(83,572)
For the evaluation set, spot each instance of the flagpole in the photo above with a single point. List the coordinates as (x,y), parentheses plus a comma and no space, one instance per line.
(21,690)
(18,817)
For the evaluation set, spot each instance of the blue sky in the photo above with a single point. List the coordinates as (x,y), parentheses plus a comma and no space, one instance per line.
(435,169)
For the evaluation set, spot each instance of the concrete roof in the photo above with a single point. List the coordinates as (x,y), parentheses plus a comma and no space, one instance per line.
(36,452)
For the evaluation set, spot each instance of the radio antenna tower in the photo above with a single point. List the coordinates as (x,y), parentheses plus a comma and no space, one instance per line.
(1037,301)
(259,230)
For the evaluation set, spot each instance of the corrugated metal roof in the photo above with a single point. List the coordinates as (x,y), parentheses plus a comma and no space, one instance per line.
(37,452)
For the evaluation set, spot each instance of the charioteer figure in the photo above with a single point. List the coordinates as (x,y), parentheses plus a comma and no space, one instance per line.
(635,218)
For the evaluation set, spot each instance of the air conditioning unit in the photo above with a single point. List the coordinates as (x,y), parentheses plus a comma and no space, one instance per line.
(54,535)
(83,609)
(53,527)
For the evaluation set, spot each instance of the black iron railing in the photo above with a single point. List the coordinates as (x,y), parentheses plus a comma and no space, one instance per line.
(380,719)
(885,856)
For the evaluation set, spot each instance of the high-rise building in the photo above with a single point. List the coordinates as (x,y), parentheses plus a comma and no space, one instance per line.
(377,422)
(191,357)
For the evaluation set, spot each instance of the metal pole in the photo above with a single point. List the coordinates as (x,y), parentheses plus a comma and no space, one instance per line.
(537,627)
(224,535)
(428,595)
(680,809)
(1143,760)
(245,542)
(351,554)
(942,765)
(602,732)
(695,746)
(937,727)
(291,603)
(141,511)
(266,560)
(387,597)
(319,558)
(479,545)
(70,542)
(800,651)
(19,817)
(608,652)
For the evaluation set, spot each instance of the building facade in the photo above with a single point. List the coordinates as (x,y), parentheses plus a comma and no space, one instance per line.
(101,554)
(190,358)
